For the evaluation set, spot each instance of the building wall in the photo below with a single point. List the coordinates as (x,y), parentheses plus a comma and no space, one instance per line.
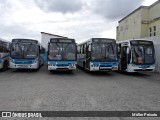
(140,22)
(157,24)
(130,27)
(154,11)
(144,22)
(45,38)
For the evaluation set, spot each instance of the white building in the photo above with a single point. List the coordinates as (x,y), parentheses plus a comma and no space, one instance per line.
(45,38)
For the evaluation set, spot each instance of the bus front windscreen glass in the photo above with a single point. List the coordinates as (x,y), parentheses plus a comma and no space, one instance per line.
(143,54)
(24,50)
(62,51)
(104,52)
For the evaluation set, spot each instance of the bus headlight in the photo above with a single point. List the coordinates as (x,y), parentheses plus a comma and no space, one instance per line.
(152,66)
(11,60)
(72,66)
(35,60)
(134,65)
(94,65)
(115,67)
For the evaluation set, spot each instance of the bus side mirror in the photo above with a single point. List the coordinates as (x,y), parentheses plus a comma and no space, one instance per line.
(127,50)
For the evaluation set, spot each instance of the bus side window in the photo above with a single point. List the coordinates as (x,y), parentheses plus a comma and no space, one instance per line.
(5,47)
(84,49)
(81,49)
(42,50)
(1,47)
(8,47)
(78,49)
(119,51)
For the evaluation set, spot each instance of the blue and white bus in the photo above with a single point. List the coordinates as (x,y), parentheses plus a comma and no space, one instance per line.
(136,55)
(4,54)
(62,54)
(98,54)
(26,54)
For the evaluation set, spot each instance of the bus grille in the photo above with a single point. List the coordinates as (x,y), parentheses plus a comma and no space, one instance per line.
(62,65)
(105,66)
(23,62)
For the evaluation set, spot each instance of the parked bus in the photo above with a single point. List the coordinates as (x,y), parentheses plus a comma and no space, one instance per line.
(62,54)
(136,55)
(98,54)
(4,54)
(26,54)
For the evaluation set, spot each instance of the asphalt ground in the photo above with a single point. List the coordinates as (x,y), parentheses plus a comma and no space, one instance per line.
(30,90)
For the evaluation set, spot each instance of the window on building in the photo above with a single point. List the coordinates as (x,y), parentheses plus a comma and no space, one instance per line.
(150,31)
(154,30)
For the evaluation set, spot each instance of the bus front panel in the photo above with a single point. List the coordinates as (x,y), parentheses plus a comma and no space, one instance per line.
(62,56)
(24,55)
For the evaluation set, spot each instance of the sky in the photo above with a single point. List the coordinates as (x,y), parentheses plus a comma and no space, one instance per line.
(77,19)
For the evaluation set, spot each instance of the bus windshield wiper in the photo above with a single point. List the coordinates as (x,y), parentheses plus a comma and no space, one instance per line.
(28,48)
(19,46)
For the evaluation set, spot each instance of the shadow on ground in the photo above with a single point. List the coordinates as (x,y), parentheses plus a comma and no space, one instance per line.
(135,74)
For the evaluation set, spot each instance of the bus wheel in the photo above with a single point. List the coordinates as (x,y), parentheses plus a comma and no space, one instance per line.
(86,70)
(119,67)
(5,65)
(70,71)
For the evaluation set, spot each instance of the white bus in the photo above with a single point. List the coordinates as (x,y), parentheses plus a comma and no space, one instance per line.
(136,55)
(98,54)
(26,54)
(4,54)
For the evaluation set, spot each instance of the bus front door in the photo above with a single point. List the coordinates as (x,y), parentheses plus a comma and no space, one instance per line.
(88,57)
(124,58)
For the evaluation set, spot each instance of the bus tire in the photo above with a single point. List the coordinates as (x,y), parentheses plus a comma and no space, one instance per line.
(5,65)
(70,71)
(84,66)
(86,70)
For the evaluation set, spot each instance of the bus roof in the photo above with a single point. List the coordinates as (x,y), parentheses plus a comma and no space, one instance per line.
(2,40)
(24,40)
(133,40)
(62,40)
(90,40)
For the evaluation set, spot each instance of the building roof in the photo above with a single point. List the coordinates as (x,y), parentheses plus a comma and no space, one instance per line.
(53,34)
(139,9)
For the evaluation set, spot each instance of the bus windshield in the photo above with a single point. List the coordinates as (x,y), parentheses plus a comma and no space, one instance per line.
(143,54)
(62,51)
(104,52)
(24,50)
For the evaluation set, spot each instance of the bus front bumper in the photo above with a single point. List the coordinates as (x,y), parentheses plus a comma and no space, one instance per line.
(1,65)
(54,67)
(23,66)
(100,68)
(134,68)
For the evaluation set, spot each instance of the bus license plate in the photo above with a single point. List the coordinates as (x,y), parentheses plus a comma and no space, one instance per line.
(23,66)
